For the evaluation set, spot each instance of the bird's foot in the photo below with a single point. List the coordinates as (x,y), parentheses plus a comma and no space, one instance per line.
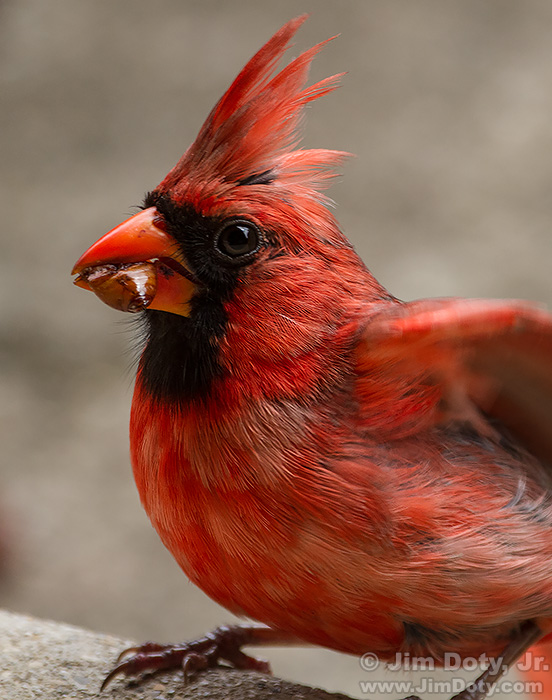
(223,644)
(528,634)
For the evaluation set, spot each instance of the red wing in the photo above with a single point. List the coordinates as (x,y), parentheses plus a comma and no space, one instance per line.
(436,360)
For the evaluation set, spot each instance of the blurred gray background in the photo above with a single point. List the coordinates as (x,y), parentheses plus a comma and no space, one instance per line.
(448,106)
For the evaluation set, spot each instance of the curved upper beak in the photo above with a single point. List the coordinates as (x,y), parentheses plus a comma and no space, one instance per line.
(140,239)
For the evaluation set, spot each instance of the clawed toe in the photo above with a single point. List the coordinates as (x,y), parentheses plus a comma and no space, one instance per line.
(224,644)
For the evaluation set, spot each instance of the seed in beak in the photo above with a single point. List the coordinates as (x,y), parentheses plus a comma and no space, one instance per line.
(126,287)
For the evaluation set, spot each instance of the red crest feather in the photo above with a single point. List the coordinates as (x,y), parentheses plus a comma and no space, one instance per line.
(253,129)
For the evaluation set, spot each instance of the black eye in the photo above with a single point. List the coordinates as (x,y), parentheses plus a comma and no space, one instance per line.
(237,238)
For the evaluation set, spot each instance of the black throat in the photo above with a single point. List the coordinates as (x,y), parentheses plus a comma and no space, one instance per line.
(180,359)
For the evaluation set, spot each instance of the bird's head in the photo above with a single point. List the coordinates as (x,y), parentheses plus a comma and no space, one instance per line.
(237,238)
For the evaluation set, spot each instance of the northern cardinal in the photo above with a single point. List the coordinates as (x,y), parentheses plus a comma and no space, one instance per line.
(348,469)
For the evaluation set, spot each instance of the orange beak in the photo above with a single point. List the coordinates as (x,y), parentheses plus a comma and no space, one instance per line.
(137,265)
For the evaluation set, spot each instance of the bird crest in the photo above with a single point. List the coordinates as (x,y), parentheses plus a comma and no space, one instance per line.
(251,135)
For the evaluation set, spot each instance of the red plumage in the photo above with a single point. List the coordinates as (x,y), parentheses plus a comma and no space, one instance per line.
(348,469)
(253,129)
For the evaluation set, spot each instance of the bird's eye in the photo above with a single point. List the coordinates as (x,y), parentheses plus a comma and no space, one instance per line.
(237,239)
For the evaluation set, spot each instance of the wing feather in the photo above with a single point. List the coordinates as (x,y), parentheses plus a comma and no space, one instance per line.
(434,361)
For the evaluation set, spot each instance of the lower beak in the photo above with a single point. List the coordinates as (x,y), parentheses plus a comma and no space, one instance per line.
(136,266)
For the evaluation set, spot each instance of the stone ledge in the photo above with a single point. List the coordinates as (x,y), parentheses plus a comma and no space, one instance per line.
(44,660)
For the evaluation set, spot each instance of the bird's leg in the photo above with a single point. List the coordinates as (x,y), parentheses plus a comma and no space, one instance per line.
(528,634)
(223,644)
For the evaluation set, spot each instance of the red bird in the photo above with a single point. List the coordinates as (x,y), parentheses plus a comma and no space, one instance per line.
(350,470)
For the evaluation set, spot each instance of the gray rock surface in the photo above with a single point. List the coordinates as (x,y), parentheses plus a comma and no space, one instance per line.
(44,660)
